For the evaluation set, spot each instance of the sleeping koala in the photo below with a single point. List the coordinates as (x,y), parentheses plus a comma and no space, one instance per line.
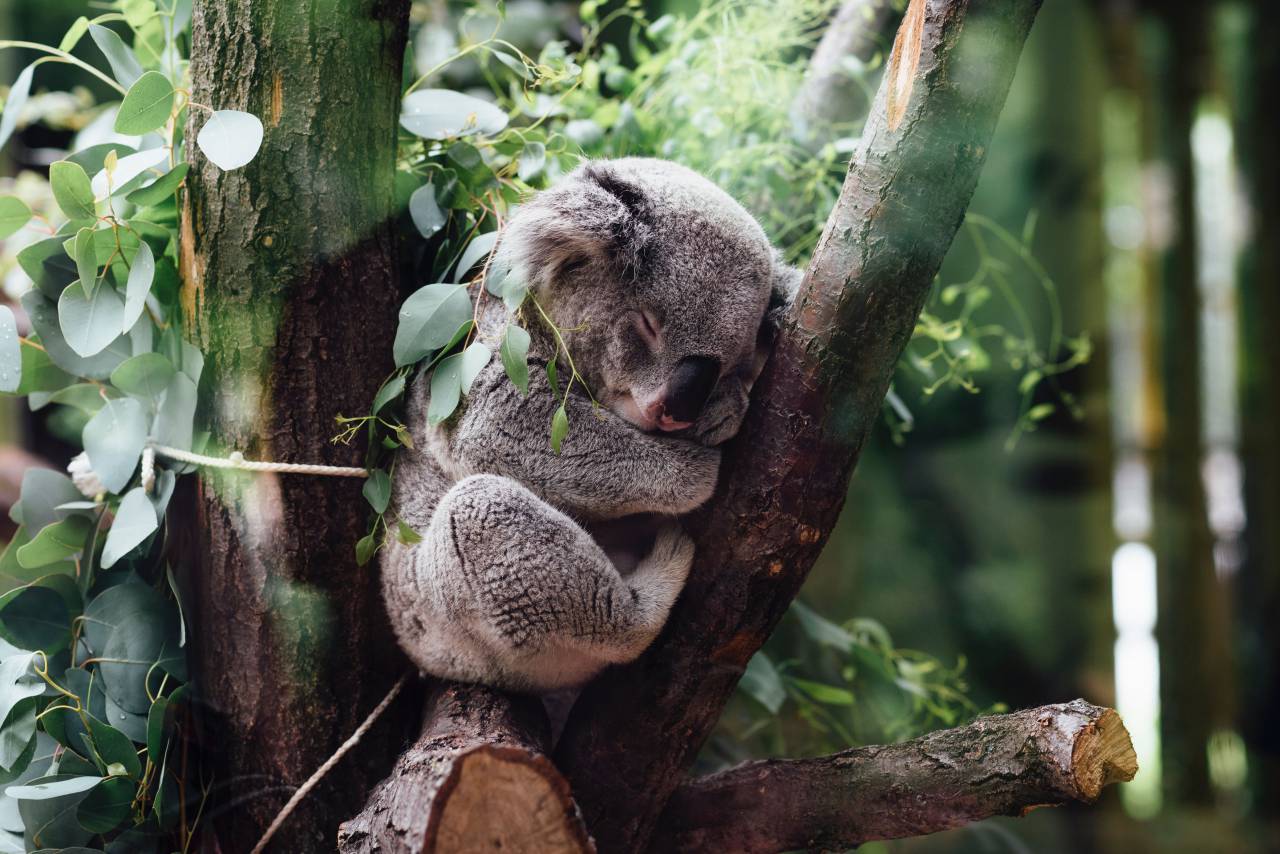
(536,570)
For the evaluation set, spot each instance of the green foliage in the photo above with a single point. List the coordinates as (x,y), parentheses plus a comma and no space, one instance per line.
(840,685)
(93,712)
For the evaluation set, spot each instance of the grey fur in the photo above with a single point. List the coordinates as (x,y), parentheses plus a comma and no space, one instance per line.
(510,585)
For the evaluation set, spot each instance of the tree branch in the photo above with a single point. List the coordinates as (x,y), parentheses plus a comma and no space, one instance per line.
(636,729)
(1001,765)
(477,779)
(830,95)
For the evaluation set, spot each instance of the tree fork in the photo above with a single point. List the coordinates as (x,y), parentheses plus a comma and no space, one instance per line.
(636,729)
(1000,765)
(290,285)
(477,779)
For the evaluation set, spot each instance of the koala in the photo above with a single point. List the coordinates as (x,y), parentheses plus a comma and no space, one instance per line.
(536,570)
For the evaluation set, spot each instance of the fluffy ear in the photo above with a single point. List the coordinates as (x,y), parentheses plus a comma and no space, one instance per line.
(782,291)
(593,216)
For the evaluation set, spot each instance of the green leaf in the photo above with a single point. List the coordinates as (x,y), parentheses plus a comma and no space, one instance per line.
(43,491)
(147,105)
(230,138)
(365,547)
(377,490)
(138,12)
(86,397)
(72,190)
(474,360)
(162,189)
(107,805)
(429,319)
(52,787)
(532,160)
(14,214)
(425,211)
(175,419)
(146,375)
(1040,411)
(390,390)
(477,250)
(18,681)
(446,389)
(114,439)
(132,628)
(821,630)
(13,105)
(514,353)
(407,535)
(125,67)
(36,618)
(114,747)
(763,684)
(55,542)
(551,377)
(559,428)
(89,324)
(128,173)
(828,694)
(85,253)
(135,521)
(10,352)
(443,113)
(74,33)
(45,321)
(18,737)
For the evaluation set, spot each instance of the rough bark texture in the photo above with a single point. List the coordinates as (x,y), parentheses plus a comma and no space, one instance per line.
(477,779)
(830,95)
(290,273)
(635,730)
(1002,765)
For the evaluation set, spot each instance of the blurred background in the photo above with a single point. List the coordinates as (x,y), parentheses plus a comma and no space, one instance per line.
(1076,488)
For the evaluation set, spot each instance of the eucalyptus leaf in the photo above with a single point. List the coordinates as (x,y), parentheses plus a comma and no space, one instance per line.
(44,319)
(43,491)
(55,542)
(89,324)
(36,617)
(443,113)
(125,67)
(559,428)
(74,33)
(135,521)
(474,360)
(51,787)
(230,138)
(175,417)
(18,681)
(390,390)
(138,286)
(86,397)
(126,170)
(146,375)
(107,805)
(377,490)
(114,747)
(428,320)
(514,353)
(160,190)
(477,250)
(531,161)
(365,547)
(114,439)
(85,253)
(14,214)
(72,190)
(10,352)
(446,389)
(18,94)
(147,105)
(763,684)
(425,211)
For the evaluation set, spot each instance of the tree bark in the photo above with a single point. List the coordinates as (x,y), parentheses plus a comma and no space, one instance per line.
(1002,765)
(477,779)
(636,729)
(290,285)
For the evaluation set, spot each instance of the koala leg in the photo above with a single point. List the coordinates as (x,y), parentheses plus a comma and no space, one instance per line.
(532,591)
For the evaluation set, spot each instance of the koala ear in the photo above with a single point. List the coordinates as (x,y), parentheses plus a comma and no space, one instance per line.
(594,215)
(785,285)
(783,288)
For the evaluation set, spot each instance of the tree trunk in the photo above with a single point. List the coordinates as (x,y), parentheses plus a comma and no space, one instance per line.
(1002,765)
(636,729)
(290,285)
(477,779)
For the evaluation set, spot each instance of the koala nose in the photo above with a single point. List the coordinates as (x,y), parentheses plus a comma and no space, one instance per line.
(690,386)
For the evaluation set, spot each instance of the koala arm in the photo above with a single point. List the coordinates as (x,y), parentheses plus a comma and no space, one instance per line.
(606,469)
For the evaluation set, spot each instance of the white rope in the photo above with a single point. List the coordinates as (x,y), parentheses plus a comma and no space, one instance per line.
(305,788)
(236,460)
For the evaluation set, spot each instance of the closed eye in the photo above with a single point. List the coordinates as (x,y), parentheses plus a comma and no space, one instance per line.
(648,328)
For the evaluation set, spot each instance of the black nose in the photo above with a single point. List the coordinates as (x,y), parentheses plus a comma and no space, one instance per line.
(690,386)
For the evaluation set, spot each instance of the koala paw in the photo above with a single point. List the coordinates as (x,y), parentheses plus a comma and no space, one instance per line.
(672,553)
(723,415)
(695,481)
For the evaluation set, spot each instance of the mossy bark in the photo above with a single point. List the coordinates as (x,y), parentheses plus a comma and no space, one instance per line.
(290,287)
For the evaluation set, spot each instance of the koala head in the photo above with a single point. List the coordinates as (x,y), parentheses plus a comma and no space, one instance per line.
(660,283)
